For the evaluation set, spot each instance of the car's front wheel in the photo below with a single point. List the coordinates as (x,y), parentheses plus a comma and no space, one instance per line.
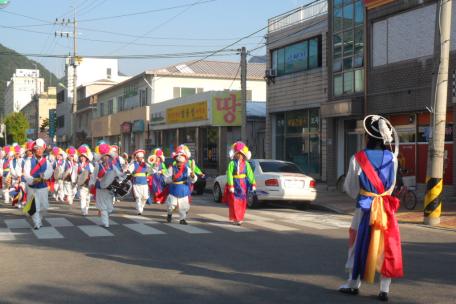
(217,192)
(252,201)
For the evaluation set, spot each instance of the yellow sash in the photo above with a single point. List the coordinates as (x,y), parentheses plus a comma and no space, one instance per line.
(239,176)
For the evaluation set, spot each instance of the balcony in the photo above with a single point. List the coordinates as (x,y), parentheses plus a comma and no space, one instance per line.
(298,15)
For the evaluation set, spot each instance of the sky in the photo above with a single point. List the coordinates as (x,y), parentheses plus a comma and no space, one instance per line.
(150,27)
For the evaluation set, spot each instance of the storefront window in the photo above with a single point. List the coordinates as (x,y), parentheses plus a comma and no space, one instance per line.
(210,147)
(169,141)
(187,135)
(298,139)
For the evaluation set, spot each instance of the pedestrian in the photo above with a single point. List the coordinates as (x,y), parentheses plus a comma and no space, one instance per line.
(179,177)
(70,174)
(240,179)
(139,168)
(85,170)
(103,176)
(37,171)
(157,170)
(374,238)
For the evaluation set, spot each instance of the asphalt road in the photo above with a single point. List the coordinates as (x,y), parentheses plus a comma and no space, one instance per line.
(280,255)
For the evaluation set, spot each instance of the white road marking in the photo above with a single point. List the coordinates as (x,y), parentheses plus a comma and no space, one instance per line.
(254,217)
(59,222)
(97,220)
(221,222)
(95,231)
(46,233)
(140,219)
(143,229)
(18,224)
(6,235)
(273,226)
(188,228)
(314,225)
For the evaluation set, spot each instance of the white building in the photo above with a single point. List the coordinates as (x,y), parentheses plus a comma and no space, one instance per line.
(124,110)
(24,84)
(88,70)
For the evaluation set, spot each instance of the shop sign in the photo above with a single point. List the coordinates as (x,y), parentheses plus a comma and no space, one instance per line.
(187,113)
(158,118)
(138,126)
(227,109)
(125,128)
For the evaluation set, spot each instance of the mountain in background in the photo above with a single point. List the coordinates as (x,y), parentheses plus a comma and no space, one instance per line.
(10,60)
(258,59)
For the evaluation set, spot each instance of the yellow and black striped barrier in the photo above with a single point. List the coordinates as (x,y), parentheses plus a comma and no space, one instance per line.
(432,200)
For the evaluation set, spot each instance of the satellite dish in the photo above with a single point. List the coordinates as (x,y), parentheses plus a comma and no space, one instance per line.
(4,3)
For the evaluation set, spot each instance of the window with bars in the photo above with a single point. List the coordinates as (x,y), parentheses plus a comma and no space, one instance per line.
(348,47)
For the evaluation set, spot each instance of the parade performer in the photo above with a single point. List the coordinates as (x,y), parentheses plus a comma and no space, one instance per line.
(139,168)
(374,240)
(17,190)
(6,173)
(37,170)
(70,174)
(192,165)
(57,178)
(104,174)
(28,155)
(157,169)
(85,170)
(179,177)
(239,181)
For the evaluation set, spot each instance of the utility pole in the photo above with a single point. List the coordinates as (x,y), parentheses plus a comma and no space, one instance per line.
(74,64)
(434,179)
(244,94)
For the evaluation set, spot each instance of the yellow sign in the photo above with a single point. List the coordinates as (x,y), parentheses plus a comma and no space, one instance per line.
(227,109)
(187,113)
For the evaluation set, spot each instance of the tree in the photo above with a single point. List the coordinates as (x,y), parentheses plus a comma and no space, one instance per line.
(16,127)
(44,125)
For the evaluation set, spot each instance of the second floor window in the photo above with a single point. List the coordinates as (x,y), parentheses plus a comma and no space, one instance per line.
(110,106)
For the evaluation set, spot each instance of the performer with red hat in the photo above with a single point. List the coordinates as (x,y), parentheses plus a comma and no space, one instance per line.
(85,170)
(139,168)
(17,190)
(5,170)
(70,174)
(157,186)
(239,181)
(37,170)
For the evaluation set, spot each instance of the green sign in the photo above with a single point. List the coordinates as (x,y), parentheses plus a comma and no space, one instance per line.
(4,3)
(52,121)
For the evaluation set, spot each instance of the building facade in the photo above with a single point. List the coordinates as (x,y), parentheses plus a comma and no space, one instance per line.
(297,86)
(37,111)
(124,110)
(88,70)
(24,84)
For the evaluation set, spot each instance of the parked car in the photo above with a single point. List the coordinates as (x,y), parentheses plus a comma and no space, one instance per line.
(275,181)
(200,184)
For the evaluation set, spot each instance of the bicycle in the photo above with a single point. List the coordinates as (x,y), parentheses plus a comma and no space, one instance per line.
(406,196)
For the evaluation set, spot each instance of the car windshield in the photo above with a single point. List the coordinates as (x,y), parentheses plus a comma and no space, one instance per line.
(279,167)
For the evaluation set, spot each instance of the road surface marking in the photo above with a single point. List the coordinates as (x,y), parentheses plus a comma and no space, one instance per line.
(97,220)
(254,217)
(140,219)
(17,224)
(143,229)
(188,228)
(221,222)
(95,231)
(314,225)
(272,226)
(58,222)
(6,235)
(47,233)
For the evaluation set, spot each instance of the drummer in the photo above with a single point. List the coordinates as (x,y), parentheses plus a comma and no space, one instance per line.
(103,176)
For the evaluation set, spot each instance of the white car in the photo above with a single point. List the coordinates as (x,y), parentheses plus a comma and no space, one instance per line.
(275,181)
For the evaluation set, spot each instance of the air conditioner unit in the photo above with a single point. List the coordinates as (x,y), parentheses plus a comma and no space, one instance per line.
(271,73)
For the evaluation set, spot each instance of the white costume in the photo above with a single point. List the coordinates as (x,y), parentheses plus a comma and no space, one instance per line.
(37,189)
(179,192)
(104,198)
(5,172)
(59,166)
(16,169)
(85,171)
(69,180)
(140,186)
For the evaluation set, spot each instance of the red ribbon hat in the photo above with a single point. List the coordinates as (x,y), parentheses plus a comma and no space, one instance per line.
(240,147)
(85,151)
(139,153)
(39,143)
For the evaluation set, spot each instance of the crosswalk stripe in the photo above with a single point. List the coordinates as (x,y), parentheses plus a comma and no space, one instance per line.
(97,220)
(95,231)
(188,228)
(17,224)
(272,226)
(140,219)
(143,229)
(6,235)
(46,233)
(254,217)
(314,225)
(221,223)
(58,222)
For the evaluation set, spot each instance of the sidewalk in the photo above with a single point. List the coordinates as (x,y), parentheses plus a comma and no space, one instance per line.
(341,203)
